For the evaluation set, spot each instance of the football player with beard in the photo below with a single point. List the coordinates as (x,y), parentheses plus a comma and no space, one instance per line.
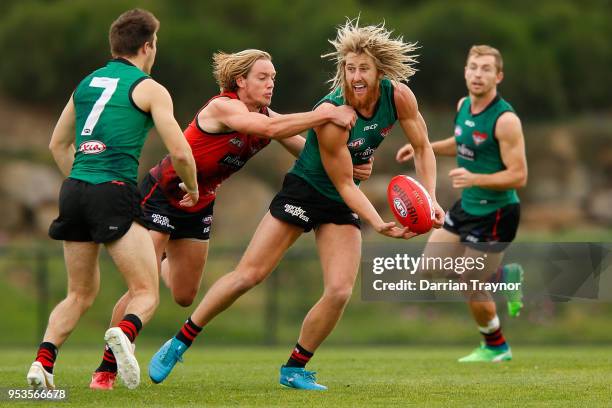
(320,193)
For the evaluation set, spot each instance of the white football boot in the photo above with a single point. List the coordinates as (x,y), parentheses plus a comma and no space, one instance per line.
(127,365)
(39,378)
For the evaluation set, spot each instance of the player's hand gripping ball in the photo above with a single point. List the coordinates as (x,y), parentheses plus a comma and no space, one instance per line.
(411,204)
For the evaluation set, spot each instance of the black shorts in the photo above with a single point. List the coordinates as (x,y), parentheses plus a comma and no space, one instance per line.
(491,232)
(300,204)
(95,212)
(161,216)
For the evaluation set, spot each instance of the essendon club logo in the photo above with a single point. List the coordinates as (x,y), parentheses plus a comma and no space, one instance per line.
(385,131)
(479,137)
(92,147)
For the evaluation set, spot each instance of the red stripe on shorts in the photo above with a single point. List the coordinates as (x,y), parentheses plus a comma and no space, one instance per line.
(144,200)
(497,217)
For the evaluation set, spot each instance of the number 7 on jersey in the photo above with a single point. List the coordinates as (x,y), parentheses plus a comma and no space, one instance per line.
(110,86)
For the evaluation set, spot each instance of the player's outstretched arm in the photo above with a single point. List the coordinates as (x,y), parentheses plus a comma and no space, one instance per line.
(235,115)
(509,134)
(152,97)
(446,147)
(295,145)
(62,140)
(339,167)
(414,128)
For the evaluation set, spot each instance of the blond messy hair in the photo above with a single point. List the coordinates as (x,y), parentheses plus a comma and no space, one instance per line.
(393,57)
(229,67)
(481,50)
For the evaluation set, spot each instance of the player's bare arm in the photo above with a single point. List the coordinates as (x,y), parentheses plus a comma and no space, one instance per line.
(338,164)
(414,128)
(509,134)
(295,145)
(231,114)
(152,97)
(446,147)
(62,140)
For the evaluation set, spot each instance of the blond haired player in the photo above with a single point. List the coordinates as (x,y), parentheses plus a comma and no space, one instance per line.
(320,193)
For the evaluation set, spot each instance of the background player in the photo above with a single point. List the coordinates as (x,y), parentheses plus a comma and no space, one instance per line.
(108,117)
(490,150)
(320,193)
(226,132)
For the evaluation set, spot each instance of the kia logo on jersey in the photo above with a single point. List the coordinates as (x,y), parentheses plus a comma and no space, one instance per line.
(479,137)
(92,147)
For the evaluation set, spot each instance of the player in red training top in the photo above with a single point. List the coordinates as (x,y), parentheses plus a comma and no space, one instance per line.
(227,131)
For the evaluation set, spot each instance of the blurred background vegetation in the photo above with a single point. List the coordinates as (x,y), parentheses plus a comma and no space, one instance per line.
(557,75)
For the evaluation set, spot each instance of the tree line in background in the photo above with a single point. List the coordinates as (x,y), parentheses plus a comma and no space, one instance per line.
(557,52)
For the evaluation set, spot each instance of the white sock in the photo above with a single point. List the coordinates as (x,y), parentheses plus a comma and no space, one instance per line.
(491,326)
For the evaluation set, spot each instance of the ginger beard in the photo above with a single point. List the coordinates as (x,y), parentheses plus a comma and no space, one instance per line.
(361,95)
(361,85)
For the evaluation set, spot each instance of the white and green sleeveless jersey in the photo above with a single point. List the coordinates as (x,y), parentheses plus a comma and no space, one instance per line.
(110,128)
(363,140)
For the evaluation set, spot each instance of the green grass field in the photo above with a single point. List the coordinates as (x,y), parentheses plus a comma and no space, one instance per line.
(546,376)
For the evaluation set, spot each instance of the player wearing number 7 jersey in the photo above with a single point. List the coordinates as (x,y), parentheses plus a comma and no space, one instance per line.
(107,118)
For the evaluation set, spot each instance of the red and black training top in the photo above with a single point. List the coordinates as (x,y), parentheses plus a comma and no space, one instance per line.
(217,156)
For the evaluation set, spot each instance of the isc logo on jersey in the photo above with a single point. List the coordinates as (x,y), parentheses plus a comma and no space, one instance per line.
(92,147)
(370,127)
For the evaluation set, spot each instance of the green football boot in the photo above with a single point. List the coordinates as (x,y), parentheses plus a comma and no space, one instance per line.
(485,354)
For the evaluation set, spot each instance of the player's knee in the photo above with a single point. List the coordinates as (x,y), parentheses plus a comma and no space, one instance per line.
(83,298)
(339,295)
(248,279)
(184,298)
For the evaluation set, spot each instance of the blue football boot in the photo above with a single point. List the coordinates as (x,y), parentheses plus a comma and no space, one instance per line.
(165,359)
(298,377)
